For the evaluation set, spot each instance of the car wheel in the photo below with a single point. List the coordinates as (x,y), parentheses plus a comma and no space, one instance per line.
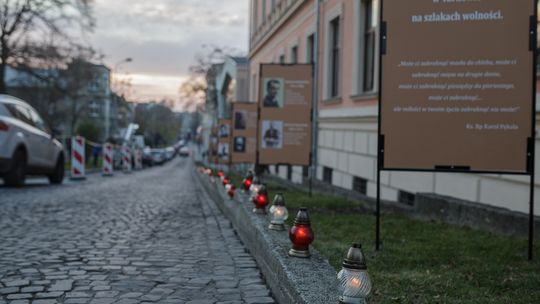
(16,175)
(58,175)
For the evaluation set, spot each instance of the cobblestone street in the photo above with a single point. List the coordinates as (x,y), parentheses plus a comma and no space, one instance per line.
(148,237)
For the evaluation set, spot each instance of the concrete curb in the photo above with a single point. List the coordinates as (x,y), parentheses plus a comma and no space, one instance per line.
(292,280)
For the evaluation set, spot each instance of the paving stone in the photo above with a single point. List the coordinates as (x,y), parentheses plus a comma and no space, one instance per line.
(155,241)
(19,302)
(19,296)
(76,301)
(33,289)
(44,301)
(52,294)
(259,300)
(16,283)
(8,290)
(62,285)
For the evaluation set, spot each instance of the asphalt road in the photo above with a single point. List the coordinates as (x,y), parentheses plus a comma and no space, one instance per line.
(146,237)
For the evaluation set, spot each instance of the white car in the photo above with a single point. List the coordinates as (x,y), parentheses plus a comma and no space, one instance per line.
(184,151)
(27,146)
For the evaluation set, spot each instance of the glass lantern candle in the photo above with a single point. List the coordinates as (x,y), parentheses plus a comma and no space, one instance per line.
(278,213)
(354,282)
(301,235)
(255,186)
(260,200)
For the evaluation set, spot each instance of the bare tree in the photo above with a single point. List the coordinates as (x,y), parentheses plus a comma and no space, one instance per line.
(193,90)
(30,25)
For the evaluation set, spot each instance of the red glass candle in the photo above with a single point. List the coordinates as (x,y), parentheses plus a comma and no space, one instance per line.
(248,180)
(260,200)
(301,235)
(225,181)
(231,191)
(247,184)
(220,173)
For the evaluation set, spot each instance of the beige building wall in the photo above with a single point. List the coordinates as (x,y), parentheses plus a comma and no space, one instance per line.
(347,136)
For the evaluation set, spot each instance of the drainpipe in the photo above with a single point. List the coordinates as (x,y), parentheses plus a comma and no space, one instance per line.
(315,104)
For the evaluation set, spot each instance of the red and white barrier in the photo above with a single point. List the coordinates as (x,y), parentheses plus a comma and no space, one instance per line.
(78,160)
(138,159)
(126,159)
(108,153)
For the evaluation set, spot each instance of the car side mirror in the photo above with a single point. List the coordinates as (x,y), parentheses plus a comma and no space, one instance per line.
(55,133)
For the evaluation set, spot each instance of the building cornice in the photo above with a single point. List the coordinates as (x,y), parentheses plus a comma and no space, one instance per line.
(284,10)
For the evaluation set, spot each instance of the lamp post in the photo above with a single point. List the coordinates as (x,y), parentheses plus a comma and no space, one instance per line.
(108,100)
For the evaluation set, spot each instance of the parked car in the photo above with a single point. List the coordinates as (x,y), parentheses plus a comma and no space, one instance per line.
(147,157)
(158,156)
(169,153)
(184,151)
(27,144)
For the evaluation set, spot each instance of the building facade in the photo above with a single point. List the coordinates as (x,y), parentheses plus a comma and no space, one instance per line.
(66,97)
(283,31)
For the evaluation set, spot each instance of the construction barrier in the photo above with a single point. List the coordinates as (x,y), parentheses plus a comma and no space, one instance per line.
(138,159)
(126,159)
(108,153)
(78,158)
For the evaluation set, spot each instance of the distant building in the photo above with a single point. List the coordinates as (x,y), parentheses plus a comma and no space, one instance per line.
(67,97)
(283,31)
(227,82)
(231,85)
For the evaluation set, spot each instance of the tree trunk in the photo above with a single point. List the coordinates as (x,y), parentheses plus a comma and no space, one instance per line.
(3,64)
(3,87)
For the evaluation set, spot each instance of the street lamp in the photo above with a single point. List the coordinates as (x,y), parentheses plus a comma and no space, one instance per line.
(108,100)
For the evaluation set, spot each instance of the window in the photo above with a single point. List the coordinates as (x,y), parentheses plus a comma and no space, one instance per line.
(276,169)
(294,54)
(310,49)
(273,5)
(370,10)
(289,172)
(23,114)
(263,10)
(360,185)
(334,57)
(327,175)
(38,122)
(281,58)
(256,13)
(406,198)
(305,171)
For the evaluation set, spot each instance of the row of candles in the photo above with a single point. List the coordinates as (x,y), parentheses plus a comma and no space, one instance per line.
(354,282)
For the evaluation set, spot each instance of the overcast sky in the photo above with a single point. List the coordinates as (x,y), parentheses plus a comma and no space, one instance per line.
(163,36)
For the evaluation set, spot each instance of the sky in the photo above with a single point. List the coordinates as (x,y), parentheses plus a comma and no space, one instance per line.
(163,37)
